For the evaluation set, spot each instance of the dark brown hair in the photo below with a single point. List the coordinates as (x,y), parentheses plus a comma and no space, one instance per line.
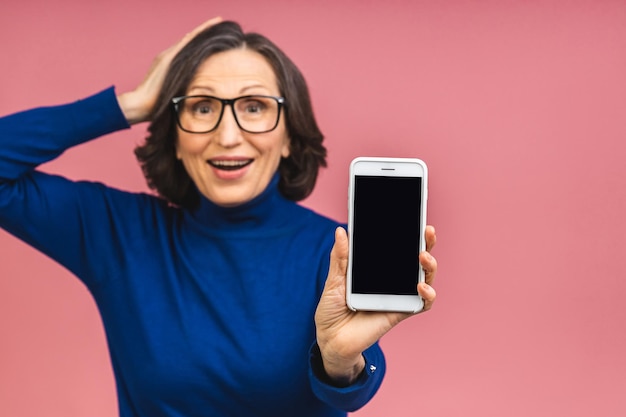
(298,172)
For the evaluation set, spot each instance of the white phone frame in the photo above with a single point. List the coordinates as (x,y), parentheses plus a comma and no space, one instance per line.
(386,167)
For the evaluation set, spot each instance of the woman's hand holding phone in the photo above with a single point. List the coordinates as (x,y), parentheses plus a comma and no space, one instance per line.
(343,334)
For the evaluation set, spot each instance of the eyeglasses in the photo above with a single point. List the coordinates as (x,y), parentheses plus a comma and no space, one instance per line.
(253,114)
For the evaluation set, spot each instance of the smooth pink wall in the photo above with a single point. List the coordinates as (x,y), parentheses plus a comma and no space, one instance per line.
(518,107)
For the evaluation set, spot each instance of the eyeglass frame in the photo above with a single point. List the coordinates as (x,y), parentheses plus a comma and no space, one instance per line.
(227,102)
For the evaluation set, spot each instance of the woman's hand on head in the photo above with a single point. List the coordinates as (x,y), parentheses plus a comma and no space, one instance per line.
(137,104)
(343,334)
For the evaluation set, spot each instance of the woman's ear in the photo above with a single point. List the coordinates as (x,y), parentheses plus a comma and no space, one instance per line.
(285,151)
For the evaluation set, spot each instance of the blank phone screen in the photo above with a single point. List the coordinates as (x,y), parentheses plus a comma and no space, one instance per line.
(386,235)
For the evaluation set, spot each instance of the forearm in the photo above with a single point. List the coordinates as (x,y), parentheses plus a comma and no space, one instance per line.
(33,137)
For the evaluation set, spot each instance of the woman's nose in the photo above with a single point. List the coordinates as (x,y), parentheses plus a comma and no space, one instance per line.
(228,132)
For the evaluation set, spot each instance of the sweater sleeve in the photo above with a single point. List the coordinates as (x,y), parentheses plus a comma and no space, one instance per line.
(32,137)
(66,220)
(356,395)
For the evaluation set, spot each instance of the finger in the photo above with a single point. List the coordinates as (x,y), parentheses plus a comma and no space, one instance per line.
(203,26)
(339,254)
(212,21)
(192,34)
(335,285)
(428,294)
(431,237)
(429,265)
(338,262)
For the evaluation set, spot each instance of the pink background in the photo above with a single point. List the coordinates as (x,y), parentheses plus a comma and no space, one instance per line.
(518,107)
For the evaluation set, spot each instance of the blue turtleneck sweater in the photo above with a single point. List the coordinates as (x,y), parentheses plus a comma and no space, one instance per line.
(207,312)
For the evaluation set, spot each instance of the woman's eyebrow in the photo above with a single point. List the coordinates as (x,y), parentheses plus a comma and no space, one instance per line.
(208,90)
(201,87)
(252,87)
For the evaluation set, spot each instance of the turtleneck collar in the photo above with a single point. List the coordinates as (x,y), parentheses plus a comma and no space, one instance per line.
(268,209)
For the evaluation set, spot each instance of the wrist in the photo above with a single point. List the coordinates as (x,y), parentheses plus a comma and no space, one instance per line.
(132,107)
(341,371)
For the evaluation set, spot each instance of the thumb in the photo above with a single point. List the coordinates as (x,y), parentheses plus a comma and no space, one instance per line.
(339,255)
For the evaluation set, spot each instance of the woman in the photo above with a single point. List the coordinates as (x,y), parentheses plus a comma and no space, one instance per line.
(220,298)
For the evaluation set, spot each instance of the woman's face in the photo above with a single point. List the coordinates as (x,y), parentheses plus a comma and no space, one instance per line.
(228,165)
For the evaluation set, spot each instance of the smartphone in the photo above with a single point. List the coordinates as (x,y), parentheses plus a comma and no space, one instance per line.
(386,222)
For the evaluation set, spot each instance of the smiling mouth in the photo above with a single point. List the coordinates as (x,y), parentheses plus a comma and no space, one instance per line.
(230,165)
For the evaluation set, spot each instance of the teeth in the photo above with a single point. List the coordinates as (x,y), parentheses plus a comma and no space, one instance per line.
(229,163)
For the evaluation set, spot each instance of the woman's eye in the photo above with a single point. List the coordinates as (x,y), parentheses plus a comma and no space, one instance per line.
(203,107)
(254,107)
